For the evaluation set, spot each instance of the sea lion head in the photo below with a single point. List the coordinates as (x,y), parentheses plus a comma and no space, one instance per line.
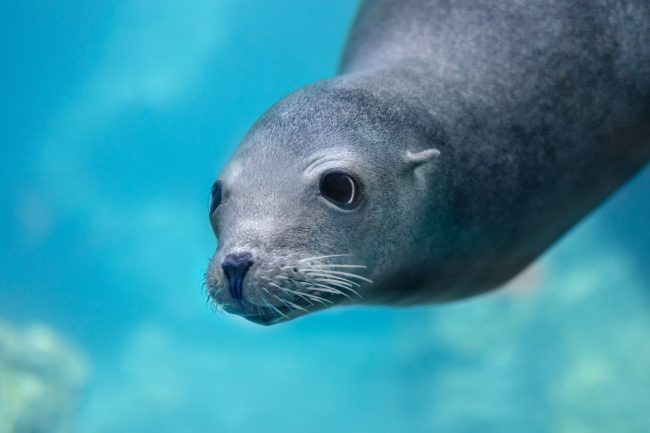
(320,205)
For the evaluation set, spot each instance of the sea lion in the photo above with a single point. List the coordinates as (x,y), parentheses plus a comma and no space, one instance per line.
(459,141)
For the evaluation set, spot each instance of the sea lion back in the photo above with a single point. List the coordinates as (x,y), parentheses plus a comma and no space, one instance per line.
(495,37)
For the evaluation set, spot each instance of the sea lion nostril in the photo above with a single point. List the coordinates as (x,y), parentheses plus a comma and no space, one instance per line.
(235,267)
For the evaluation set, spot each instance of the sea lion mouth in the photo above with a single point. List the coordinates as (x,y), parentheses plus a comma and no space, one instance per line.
(269,314)
(262,315)
(284,292)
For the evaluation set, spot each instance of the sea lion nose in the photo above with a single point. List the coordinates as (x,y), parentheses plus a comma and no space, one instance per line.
(235,267)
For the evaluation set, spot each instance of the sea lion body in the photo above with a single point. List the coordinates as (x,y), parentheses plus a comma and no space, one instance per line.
(479,132)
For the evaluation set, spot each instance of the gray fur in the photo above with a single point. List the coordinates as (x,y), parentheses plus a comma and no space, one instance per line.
(481,131)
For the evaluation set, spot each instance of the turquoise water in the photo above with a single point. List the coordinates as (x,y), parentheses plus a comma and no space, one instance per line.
(116,118)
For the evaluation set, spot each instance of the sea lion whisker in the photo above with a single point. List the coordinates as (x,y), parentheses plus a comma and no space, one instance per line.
(284,289)
(335,283)
(320,272)
(342,282)
(260,312)
(286,302)
(329,289)
(339,266)
(325,266)
(318,299)
(309,259)
(296,281)
(214,306)
(325,302)
(324,287)
(348,274)
(273,307)
(341,292)
(289,303)
(349,289)
(311,296)
(271,294)
(292,292)
(309,285)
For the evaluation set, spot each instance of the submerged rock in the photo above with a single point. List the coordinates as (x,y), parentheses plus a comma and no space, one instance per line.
(41,380)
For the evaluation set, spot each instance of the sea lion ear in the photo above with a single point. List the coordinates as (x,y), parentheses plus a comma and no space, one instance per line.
(414,160)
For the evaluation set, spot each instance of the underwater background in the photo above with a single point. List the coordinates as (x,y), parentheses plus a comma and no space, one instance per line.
(116,116)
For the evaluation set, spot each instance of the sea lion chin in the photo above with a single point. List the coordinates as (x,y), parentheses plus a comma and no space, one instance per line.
(456,145)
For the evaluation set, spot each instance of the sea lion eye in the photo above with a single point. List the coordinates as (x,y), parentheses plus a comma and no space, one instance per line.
(215,197)
(341,189)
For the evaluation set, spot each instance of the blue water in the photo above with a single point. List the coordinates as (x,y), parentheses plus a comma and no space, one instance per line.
(116,117)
